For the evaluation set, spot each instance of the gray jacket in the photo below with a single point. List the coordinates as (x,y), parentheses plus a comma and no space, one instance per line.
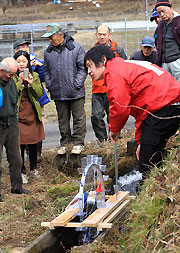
(64,72)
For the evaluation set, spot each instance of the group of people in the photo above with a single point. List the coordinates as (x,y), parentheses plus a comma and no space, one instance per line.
(120,87)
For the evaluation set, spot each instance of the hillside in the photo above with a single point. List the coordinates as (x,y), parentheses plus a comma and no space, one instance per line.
(46,11)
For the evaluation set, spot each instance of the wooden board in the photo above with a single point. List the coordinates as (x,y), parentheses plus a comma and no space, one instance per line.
(100,218)
(98,215)
(64,218)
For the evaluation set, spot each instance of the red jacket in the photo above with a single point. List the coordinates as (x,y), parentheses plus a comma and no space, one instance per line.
(137,83)
(98,86)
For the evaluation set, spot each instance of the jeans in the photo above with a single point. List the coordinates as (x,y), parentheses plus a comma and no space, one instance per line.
(9,138)
(65,109)
(100,105)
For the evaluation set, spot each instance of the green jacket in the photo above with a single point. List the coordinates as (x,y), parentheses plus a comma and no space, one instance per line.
(35,92)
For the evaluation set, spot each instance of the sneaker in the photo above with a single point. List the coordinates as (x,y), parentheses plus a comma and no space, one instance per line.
(62,151)
(24,178)
(77,149)
(20,191)
(35,173)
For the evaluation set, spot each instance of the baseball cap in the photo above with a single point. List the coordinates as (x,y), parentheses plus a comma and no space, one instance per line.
(147,42)
(51,29)
(154,14)
(20,42)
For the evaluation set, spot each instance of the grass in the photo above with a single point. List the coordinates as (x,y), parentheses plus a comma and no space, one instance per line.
(152,224)
(21,215)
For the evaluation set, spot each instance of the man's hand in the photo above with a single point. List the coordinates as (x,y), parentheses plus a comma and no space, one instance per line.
(137,151)
(114,137)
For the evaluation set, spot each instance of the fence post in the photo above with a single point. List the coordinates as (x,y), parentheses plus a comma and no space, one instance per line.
(125,30)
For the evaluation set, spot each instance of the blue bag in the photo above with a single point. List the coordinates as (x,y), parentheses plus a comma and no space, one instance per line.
(1,97)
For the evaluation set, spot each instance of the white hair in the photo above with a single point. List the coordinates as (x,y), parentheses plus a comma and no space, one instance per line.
(5,65)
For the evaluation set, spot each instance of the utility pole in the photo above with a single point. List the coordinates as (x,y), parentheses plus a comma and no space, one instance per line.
(146,14)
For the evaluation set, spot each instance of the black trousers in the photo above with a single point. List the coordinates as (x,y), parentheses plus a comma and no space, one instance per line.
(32,156)
(100,105)
(154,136)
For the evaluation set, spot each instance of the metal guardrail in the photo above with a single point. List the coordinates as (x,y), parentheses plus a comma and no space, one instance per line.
(79,25)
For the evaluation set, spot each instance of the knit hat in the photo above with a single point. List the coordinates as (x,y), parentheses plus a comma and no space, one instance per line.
(162,3)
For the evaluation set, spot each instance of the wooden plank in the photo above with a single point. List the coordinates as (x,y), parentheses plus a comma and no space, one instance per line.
(121,195)
(104,225)
(73,225)
(98,215)
(115,213)
(64,218)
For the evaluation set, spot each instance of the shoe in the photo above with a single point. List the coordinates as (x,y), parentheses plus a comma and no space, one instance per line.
(35,173)
(1,198)
(24,178)
(20,191)
(77,149)
(62,151)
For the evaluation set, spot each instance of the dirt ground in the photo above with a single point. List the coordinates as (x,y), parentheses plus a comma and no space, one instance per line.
(21,215)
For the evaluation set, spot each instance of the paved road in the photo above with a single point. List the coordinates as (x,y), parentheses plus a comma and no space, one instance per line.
(53,135)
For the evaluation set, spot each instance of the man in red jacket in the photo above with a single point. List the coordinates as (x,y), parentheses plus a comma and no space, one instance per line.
(100,103)
(145,91)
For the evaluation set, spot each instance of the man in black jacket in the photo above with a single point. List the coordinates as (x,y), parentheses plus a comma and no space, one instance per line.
(147,52)
(64,76)
(9,130)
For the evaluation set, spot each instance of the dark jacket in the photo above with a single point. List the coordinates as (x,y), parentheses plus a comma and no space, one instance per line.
(8,111)
(141,57)
(176,32)
(64,72)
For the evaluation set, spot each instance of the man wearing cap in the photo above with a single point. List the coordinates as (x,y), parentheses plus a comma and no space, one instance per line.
(147,52)
(100,103)
(168,38)
(64,75)
(155,17)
